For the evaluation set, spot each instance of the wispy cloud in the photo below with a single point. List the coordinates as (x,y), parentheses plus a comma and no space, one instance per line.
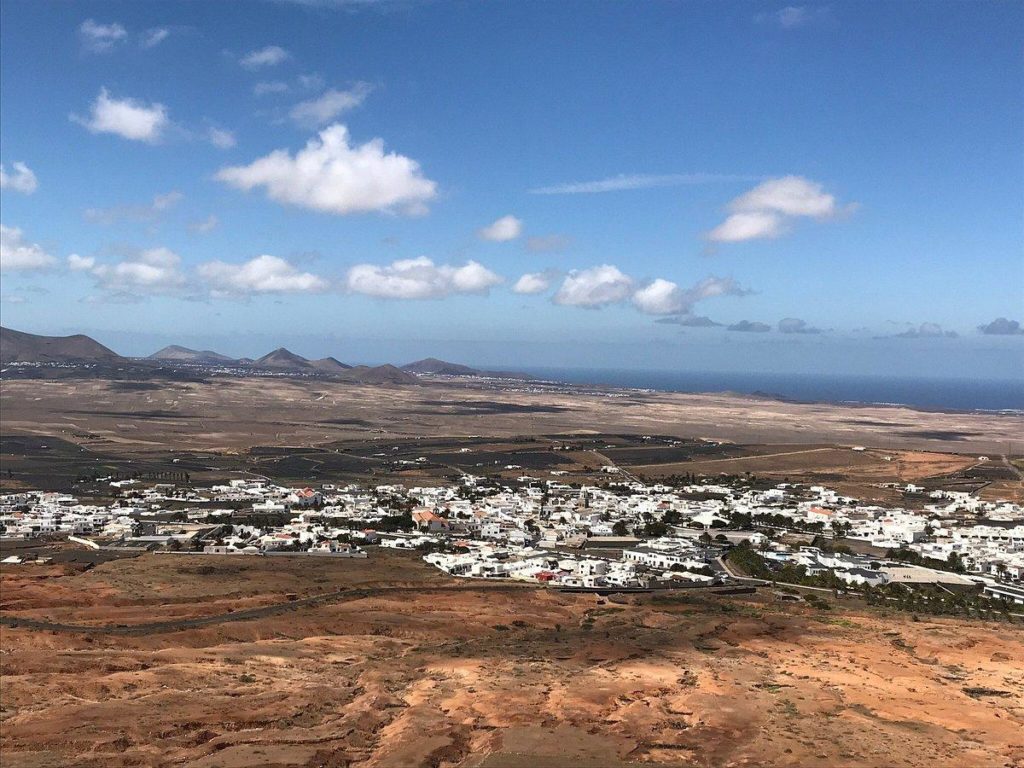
(148,213)
(795,16)
(269,56)
(329,105)
(151,38)
(624,182)
(100,38)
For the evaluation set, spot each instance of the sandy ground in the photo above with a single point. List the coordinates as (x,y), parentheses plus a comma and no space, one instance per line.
(484,677)
(234,413)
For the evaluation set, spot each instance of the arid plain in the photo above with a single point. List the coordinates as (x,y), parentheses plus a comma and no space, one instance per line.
(231,662)
(392,664)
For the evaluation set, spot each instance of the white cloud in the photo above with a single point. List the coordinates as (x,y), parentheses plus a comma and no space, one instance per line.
(20,180)
(78,263)
(150,212)
(660,297)
(128,118)
(664,297)
(220,137)
(153,271)
(19,255)
(271,86)
(420,279)
(766,210)
(790,196)
(263,274)
(269,56)
(332,176)
(594,287)
(624,182)
(329,105)
(204,226)
(747,226)
(100,38)
(504,229)
(151,38)
(534,282)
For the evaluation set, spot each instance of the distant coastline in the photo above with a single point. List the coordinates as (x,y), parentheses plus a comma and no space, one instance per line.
(921,393)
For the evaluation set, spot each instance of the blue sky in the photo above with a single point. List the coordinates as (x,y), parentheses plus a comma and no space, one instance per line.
(836,187)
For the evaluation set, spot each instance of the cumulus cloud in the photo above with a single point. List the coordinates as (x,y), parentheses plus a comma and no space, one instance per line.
(151,38)
(659,297)
(100,38)
(548,243)
(689,321)
(204,226)
(624,182)
(535,282)
(271,86)
(750,326)
(767,210)
(268,56)
(128,118)
(19,255)
(796,325)
(78,263)
(664,297)
(329,105)
(594,287)
(504,229)
(332,176)
(149,212)
(263,274)
(925,331)
(1002,327)
(152,271)
(420,278)
(21,179)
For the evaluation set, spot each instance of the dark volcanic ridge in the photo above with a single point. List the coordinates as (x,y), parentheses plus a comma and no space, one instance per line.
(20,347)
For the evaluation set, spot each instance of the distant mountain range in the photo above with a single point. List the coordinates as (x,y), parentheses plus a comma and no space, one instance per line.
(19,347)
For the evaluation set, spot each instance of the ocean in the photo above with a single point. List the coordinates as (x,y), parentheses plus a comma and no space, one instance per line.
(928,393)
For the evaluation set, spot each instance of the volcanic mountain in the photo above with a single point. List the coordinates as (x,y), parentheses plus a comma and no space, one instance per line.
(20,347)
(285,360)
(433,366)
(186,355)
